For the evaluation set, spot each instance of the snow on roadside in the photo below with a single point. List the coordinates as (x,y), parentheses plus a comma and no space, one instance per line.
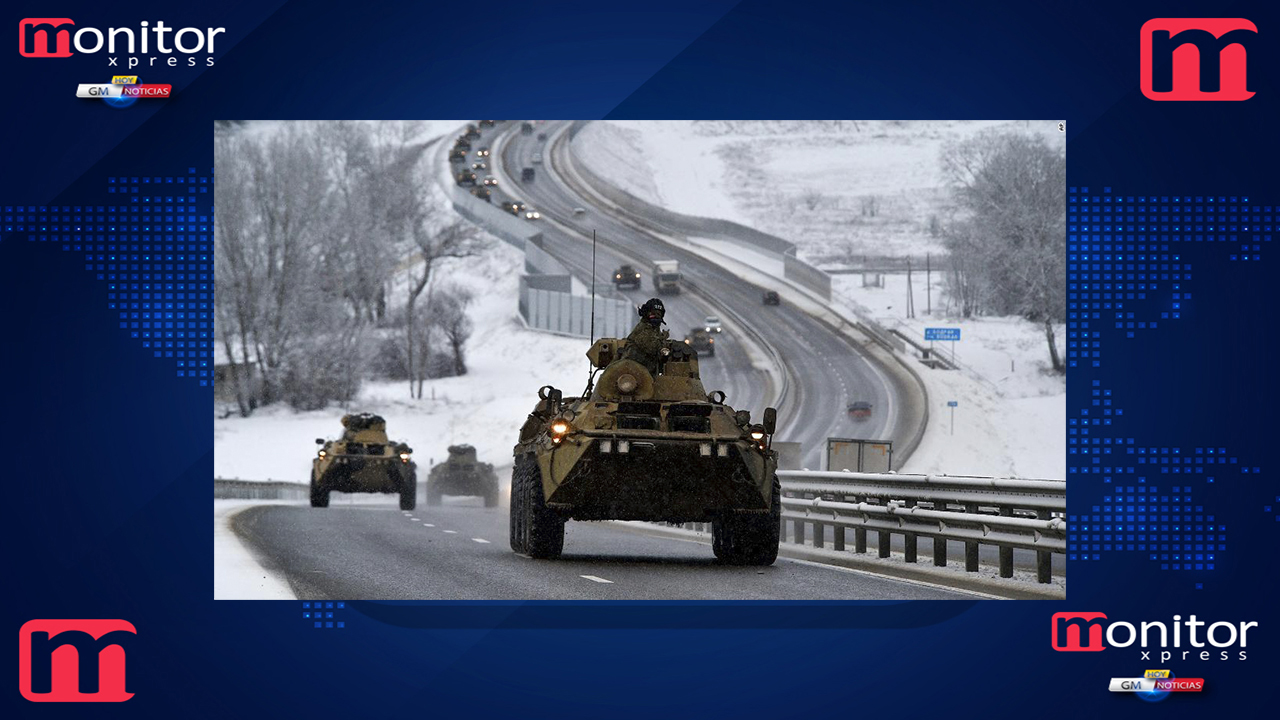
(486,407)
(663,162)
(236,573)
(1011,413)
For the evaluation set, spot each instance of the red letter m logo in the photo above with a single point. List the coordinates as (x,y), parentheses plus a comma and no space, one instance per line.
(74,660)
(1197,59)
(40,37)
(1069,632)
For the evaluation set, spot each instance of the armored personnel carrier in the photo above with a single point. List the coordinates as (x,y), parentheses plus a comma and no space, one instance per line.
(363,460)
(461,474)
(646,446)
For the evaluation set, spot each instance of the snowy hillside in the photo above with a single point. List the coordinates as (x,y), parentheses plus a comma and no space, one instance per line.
(810,182)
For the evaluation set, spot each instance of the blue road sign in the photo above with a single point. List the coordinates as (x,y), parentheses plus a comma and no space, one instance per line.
(952,403)
(952,334)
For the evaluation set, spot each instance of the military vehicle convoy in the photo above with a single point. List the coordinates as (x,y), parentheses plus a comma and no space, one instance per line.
(702,341)
(461,474)
(626,276)
(363,460)
(646,446)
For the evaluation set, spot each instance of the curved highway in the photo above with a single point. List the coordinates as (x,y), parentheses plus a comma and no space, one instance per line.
(827,370)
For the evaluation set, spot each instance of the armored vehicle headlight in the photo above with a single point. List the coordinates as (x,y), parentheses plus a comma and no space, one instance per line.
(757,433)
(627,383)
(322,454)
(404,456)
(559,427)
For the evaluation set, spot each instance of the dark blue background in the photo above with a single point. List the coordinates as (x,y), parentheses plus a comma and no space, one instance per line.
(109,455)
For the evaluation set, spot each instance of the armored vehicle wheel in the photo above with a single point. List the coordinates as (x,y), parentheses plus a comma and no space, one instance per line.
(516,511)
(319,498)
(541,530)
(749,539)
(409,492)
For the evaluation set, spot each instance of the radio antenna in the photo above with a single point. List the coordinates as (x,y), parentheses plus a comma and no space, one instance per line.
(593,287)
(591,370)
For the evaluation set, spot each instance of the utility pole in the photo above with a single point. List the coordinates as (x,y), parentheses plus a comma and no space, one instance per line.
(911,307)
(928,285)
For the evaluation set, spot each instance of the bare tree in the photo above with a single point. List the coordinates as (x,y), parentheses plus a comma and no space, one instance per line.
(236,261)
(1012,246)
(456,239)
(455,327)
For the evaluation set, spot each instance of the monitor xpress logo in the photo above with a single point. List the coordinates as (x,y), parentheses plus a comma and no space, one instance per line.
(1085,632)
(1197,59)
(143,46)
(74,660)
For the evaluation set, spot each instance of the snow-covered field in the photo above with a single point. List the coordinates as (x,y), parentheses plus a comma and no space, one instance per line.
(1011,413)
(507,364)
(805,181)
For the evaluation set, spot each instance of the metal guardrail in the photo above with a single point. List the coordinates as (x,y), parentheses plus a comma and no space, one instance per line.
(254,490)
(1008,513)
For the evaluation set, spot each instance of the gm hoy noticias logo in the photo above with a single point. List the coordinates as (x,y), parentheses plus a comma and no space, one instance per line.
(1197,59)
(74,660)
(1179,639)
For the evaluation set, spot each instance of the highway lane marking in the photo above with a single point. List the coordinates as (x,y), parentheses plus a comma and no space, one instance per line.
(593,578)
(427,525)
(452,532)
(480,540)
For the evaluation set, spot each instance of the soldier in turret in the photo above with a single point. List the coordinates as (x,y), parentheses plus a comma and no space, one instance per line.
(645,343)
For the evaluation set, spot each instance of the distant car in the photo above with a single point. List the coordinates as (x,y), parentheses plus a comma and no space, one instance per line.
(702,341)
(482,192)
(628,276)
(542,136)
(457,156)
(712,324)
(472,132)
(579,211)
(479,166)
(490,180)
(482,152)
(466,178)
(515,208)
(526,128)
(462,143)
(771,298)
(537,159)
(860,410)
(531,214)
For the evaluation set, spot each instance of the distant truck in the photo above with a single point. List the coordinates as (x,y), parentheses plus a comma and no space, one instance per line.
(666,276)
(526,128)
(526,174)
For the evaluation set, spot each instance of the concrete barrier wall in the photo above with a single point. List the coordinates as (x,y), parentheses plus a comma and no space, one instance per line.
(566,314)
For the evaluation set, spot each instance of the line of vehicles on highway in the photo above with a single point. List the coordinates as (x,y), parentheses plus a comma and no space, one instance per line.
(644,441)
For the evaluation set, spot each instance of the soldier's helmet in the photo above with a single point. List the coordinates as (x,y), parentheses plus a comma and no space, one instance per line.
(653,312)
